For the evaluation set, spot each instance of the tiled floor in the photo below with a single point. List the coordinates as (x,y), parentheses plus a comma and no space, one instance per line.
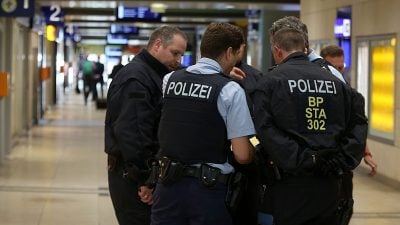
(56,175)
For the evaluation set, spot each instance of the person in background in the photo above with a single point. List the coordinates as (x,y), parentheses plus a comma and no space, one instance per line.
(134,103)
(88,68)
(98,78)
(335,56)
(203,115)
(116,68)
(307,142)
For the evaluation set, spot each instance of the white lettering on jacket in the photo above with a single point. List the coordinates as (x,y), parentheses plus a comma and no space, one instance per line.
(190,89)
(312,86)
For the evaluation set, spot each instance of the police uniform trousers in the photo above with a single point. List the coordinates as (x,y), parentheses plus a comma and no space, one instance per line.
(129,210)
(188,202)
(303,200)
(346,198)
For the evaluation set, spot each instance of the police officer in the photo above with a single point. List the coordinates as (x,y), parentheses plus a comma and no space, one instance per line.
(203,113)
(247,76)
(310,133)
(133,113)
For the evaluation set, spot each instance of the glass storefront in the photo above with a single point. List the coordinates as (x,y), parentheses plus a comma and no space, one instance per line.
(375,75)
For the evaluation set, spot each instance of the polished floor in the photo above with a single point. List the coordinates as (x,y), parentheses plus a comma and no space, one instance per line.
(56,175)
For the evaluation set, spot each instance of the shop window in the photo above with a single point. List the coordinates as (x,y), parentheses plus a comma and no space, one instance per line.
(375,80)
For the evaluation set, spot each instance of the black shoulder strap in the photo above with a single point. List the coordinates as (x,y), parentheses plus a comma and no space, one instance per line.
(322,63)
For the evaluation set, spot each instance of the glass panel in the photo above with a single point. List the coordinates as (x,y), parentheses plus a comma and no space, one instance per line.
(382,88)
(363,70)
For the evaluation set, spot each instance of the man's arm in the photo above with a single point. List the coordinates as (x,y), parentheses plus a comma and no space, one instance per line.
(282,149)
(243,150)
(353,143)
(134,128)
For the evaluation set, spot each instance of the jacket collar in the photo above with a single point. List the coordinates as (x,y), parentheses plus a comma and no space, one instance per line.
(295,56)
(156,65)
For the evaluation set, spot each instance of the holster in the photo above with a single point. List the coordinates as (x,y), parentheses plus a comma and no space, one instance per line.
(270,173)
(169,171)
(235,191)
(153,177)
(209,175)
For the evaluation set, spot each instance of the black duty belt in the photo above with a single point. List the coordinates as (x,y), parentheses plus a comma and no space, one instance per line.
(171,171)
(193,171)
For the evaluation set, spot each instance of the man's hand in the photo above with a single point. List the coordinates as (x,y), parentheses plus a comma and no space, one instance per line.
(146,194)
(370,162)
(237,74)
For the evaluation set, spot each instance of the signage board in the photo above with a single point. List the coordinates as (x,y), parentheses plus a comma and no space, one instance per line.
(17,8)
(137,14)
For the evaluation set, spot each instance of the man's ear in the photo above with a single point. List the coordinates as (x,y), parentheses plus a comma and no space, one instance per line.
(279,52)
(228,52)
(157,44)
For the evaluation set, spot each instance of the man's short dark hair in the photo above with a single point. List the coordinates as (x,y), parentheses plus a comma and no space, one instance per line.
(166,34)
(289,39)
(218,37)
(332,51)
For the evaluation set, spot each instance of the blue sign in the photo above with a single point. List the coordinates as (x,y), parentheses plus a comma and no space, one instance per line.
(17,8)
(123,29)
(252,13)
(118,39)
(113,50)
(53,15)
(342,27)
(137,14)
(69,31)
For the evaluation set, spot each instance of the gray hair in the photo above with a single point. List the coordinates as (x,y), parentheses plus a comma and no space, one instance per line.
(290,22)
(166,34)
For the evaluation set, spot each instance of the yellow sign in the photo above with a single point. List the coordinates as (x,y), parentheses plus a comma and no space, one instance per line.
(51,32)
(383,71)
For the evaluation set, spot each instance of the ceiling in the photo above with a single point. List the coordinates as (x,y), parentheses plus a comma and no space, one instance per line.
(93,19)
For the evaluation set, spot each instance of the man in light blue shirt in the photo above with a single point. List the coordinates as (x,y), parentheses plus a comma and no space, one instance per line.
(204,112)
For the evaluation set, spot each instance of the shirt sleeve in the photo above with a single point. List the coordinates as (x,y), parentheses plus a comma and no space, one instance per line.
(336,73)
(353,143)
(233,108)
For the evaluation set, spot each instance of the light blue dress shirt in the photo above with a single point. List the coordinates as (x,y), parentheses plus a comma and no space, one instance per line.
(231,105)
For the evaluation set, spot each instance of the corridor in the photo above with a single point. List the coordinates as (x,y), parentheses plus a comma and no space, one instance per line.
(56,175)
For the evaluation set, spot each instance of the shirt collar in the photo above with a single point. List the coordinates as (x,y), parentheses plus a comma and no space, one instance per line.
(313,56)
(205,66)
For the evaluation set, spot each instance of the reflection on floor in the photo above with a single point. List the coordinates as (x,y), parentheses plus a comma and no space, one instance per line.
(56,175)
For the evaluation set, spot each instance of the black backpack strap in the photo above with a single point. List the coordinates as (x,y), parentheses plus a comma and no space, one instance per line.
(322,63)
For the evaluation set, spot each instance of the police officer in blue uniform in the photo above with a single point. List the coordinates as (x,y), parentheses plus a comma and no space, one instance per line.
(311,131)
(203,114)
(133,114)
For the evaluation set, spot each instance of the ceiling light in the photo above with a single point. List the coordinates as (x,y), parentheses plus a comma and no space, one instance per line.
(158,7)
